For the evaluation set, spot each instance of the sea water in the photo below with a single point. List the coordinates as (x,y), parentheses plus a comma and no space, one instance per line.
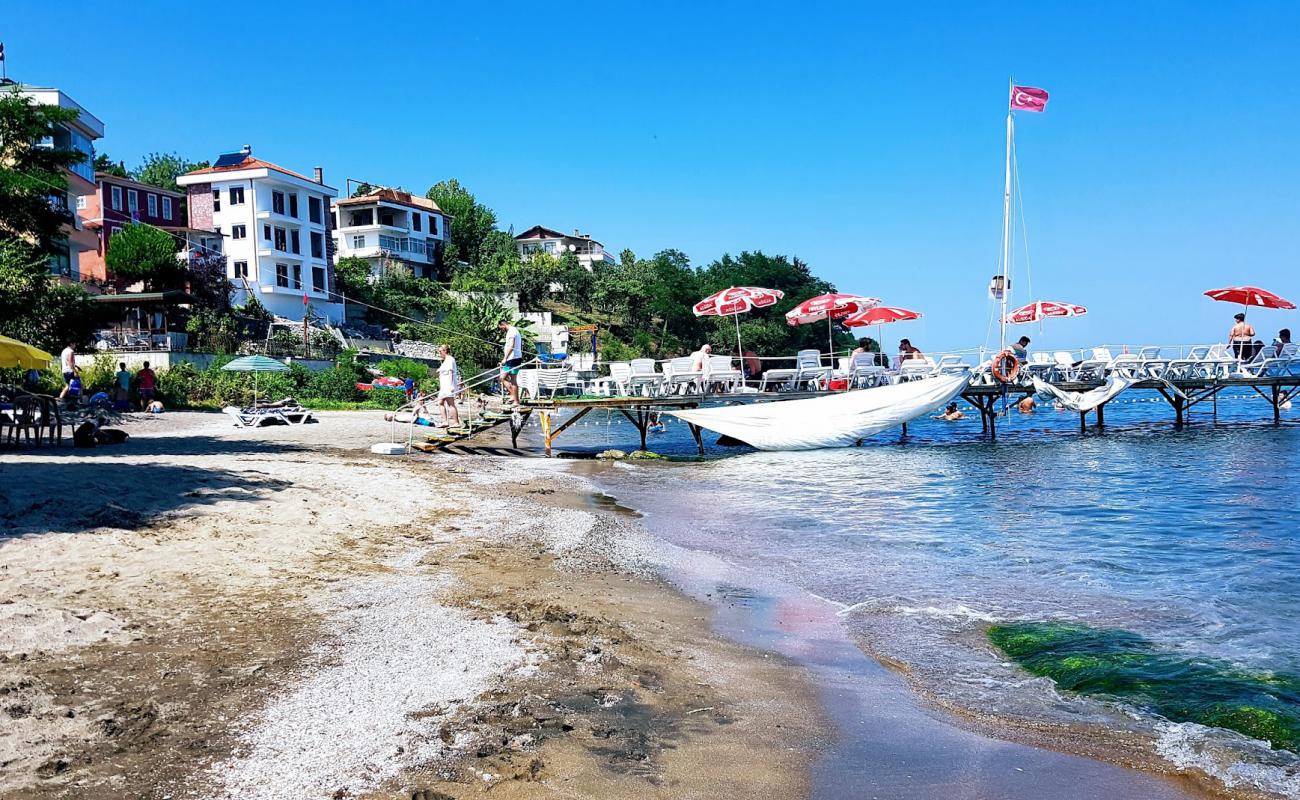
(1186,538)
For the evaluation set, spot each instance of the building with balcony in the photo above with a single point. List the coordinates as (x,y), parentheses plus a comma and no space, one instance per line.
(538,239)
(77,134)
(116,203)
(275,227)
(391,228)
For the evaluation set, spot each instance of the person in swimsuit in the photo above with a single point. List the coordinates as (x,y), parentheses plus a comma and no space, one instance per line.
(448,387)
(512,358)
(1242,336)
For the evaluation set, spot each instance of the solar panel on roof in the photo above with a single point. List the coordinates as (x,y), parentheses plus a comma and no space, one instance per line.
(230,159)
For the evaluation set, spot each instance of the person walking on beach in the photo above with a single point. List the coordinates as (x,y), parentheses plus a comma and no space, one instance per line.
(512,358)
(123,385)
(1241,336)
(68,361)
(448,387)
(145,383)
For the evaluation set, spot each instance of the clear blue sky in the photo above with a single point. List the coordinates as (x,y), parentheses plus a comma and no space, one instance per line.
(867,141)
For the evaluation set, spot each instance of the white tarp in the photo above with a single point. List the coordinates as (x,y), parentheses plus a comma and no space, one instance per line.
(836,420)
(1086,401)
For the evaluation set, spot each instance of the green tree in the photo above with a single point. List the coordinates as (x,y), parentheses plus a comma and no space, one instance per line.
(471,222)
(362,190)
(37,310)
(144,253)
(577,281)
(30,173)
(105,164)
(162,169)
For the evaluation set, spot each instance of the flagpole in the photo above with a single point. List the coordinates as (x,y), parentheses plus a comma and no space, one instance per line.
(1006,223)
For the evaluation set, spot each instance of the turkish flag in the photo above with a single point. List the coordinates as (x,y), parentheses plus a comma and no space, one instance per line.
(1027,98)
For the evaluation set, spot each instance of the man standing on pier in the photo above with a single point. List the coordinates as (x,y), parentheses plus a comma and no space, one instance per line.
(512,358)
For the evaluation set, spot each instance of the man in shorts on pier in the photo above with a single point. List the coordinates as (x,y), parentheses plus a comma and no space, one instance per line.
(512,358)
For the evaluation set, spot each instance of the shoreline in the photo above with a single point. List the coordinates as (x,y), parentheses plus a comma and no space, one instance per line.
(205,612)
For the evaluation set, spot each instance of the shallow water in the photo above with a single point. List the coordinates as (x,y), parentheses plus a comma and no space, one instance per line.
(1187,538)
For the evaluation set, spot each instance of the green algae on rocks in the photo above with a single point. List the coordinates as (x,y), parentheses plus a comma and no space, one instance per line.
(1122,665)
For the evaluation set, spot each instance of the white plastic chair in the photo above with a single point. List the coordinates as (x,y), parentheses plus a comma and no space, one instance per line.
(616,383)
(681,376)
(864,372)
(644,378)
(915,369)
(722,373)
(1096,366)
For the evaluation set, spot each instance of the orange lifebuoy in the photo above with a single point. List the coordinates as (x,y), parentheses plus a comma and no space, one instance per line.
(1006,366)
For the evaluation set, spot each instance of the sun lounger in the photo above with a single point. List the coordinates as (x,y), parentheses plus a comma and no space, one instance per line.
(1270,363)
(615,384)
(951,365)
(681,377)
(1040,365)
(864,372)
(722,375)
(553,380)
(1094,368)
(915,369)
(644,379)
(258,417)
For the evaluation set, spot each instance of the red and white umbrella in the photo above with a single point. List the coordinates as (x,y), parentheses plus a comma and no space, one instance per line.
(829,307)
(1250,296)
(881,315)
(1040,310)
(737,300)
(734,301)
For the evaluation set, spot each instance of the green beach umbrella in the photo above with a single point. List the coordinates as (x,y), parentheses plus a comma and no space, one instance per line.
(256,364)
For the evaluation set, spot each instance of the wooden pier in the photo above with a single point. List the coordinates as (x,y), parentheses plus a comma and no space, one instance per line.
(1181,395)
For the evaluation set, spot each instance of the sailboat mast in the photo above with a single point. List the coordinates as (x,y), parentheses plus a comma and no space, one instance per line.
(1006,226)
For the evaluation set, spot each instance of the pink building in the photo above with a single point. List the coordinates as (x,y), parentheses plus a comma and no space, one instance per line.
(116,203)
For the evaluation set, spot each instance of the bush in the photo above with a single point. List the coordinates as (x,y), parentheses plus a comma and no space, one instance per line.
(98,377)
(337,383)
(385,398)
(612,349)
(403,368)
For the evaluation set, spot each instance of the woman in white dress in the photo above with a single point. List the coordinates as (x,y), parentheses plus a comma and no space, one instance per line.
(448,387)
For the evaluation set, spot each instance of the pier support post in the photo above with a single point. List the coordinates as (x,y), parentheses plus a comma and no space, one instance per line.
(1277,403)
(517,420)
(545,417)
(1101,416)
(641,421)
(1083,422)
(699,439)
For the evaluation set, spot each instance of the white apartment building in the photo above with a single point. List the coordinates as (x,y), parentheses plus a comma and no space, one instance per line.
(539,239)
(275,228)
(391,228)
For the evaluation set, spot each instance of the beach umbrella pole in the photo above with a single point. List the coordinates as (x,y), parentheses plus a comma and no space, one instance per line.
(739,352)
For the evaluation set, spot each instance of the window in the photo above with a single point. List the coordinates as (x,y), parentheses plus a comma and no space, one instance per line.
(433,225)
(266,232)
(117,198)
(297,276)
(81,202)
(334,215)
(238,232)
(151,201)
(282,275)
(216,199)
(415,220)
(293,242)
(167,208)
(277,202)
(241,269)
(358,242)
(318,279)
(314,209)
(293,205)
(317,245)
(280,240)
(236,195)
(132,201)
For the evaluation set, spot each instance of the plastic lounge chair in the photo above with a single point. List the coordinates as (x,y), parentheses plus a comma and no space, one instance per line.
(1063,366)
(1219,362)
(255,418)
(616,383)
(1270,363)
(1040,365)
(1186,366)
(644,378)
(915,369)
(681,376)
(809,370)
(553,379)
(951,365)
(722,373)
(1094,368)
(864,372)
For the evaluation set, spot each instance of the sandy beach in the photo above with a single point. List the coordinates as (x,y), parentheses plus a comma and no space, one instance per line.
(212,612)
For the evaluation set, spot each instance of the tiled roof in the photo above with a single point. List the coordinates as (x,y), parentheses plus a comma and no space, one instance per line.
(250,163)
(393,196)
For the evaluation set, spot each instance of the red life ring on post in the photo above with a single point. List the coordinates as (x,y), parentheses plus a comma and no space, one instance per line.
(1006,366)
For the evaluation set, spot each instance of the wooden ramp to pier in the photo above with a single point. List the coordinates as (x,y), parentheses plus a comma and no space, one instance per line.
(450,442)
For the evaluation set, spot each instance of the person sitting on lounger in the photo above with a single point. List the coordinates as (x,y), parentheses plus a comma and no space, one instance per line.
(951,414)
(1241,336)
(1279,344)
(1021,349)
(448,387)
(907,351)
